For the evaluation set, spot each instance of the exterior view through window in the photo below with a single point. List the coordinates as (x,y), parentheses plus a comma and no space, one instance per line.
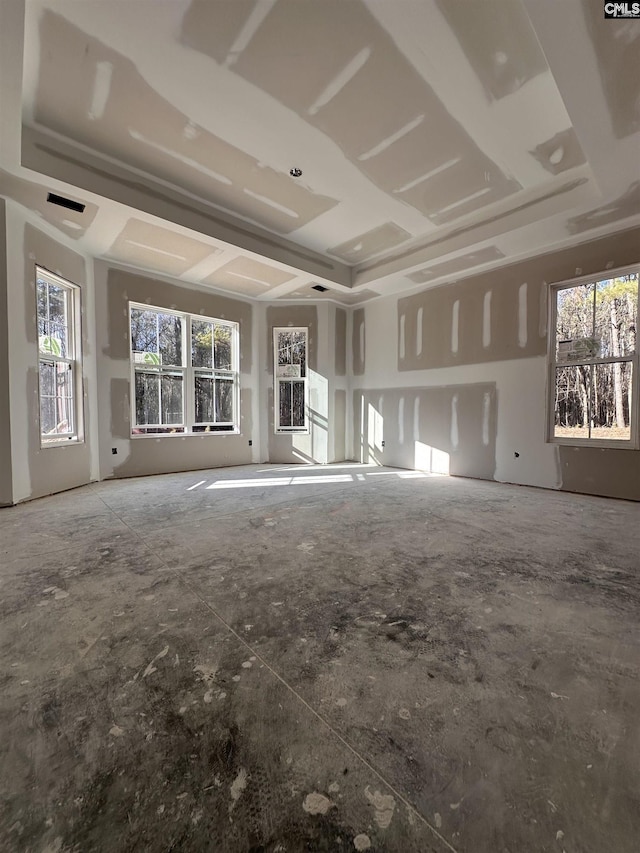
(59,367)
(185,372)
(594,361)
(290,379)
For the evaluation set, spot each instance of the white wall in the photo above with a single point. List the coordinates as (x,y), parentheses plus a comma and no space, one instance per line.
(521,397)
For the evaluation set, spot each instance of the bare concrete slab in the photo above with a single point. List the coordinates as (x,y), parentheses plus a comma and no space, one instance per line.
(319,658)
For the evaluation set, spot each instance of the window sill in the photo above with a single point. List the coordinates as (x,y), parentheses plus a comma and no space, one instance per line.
(600,443)
(61,442)
(157,435)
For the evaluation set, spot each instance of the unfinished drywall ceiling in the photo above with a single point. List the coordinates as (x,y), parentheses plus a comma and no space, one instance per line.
(140,243)
(309,291)
(33,196)
(248,276)
(432,137)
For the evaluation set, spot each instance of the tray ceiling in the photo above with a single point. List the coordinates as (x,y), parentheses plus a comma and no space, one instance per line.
(435,137)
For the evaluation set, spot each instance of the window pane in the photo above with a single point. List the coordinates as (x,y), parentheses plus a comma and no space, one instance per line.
(204,390)
(201,343)
(292,412)
(144,330)
(56,398)
(171,409)
(57,305)
(574,321)
(611,401)
(147,398)
(284,396)
(47,398)
(222,347)
(47,415)
(616,315)
(292,349)
(297,409)
(575,311)
(43,313)
(573,393)
(593,401)
(224,400)
(170,339)
(53,319)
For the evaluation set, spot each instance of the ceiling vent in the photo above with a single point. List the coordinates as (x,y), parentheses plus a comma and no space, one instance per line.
(320,288)
(66,202)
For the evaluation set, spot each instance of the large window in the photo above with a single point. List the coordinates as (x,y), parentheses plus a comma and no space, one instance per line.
(290,379)
(184,372)
(593,360)
(59,365)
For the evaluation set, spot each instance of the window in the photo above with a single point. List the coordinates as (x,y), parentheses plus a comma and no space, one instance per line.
(59,365)
(184,372)
(290,380)
(593,360)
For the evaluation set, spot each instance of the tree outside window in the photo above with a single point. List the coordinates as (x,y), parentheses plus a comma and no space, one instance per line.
(593,360)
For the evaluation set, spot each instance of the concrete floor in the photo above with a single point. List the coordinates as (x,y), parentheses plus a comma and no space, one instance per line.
(326,658)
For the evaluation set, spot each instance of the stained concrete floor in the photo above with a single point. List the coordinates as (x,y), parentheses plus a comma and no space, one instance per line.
(325,658)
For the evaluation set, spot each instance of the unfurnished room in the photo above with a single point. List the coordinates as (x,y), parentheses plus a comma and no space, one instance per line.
(319,426)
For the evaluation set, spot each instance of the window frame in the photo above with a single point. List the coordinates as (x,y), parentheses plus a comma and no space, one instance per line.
(277,427)
(188,372)
(73,358)
(552,364)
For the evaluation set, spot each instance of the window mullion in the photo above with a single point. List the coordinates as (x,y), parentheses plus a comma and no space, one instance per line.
(188,389)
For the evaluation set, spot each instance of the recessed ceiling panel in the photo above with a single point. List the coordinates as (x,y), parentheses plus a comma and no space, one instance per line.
(462,262)
(467,185)
(626,205)
(147,245)
(371,243)
(248,276)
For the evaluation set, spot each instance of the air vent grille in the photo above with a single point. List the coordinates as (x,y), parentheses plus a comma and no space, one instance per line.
(66,202)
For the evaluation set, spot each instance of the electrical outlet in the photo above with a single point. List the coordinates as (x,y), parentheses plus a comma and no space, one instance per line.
(250,443)
(114,451)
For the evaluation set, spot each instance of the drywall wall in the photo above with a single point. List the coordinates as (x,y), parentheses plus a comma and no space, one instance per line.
(6,481)
(139,455)
(450,429)
(461,370)
(38,471)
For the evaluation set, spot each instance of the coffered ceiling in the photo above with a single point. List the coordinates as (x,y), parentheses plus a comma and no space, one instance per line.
(435,138)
